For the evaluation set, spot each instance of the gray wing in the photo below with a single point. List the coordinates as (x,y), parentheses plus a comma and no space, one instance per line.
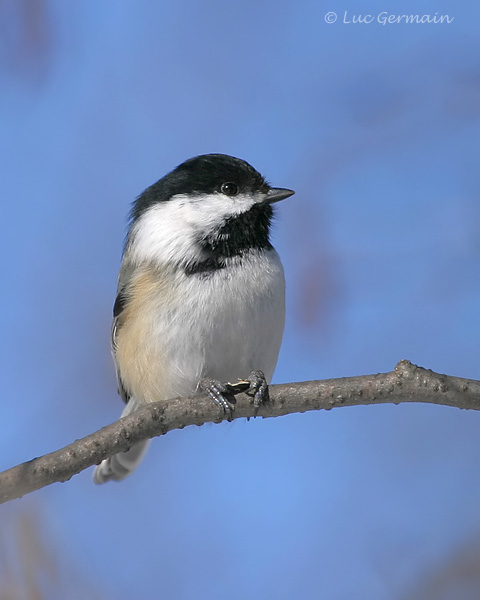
(124,277)
(120,465)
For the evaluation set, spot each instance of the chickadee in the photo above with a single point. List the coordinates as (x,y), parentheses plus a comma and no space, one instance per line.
(201,292)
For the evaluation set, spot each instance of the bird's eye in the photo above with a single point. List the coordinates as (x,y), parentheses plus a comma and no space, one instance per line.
(229,189)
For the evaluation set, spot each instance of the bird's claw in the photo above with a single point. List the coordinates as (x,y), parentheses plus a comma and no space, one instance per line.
(258,388)
(220,393)
(223,394)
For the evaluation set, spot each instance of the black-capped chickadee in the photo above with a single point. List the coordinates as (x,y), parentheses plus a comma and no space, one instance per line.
(201,291)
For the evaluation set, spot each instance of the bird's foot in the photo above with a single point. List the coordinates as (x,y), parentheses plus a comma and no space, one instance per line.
(255,386)
(220,393)
(223,394)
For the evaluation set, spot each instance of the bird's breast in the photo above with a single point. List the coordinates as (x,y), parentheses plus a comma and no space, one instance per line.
(178,328)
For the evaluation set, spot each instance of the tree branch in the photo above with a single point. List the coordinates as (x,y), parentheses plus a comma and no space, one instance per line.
(406,383)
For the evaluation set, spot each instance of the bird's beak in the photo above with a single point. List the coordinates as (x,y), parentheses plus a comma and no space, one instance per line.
(277,194)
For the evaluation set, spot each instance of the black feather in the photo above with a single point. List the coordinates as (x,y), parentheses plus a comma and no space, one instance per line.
(237,237)
(200,175)
(120,302)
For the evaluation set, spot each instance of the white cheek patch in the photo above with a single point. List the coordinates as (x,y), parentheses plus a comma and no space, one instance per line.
(160,234)
(168,232)
(209,211)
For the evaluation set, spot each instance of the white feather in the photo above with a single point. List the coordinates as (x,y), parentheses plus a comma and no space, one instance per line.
(225,325)
(168,231)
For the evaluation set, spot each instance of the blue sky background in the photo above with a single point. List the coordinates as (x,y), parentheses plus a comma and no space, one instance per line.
(376,127)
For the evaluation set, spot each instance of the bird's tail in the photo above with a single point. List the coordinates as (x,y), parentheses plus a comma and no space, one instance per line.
(119,466)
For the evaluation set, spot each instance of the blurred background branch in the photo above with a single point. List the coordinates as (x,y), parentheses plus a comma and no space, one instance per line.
(31,567)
